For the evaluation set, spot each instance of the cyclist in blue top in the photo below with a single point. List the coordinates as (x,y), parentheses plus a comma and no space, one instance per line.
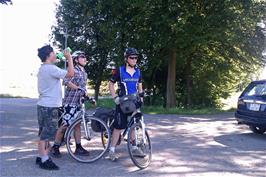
(129,82)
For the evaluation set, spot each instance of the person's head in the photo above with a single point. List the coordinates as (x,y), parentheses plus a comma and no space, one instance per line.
(46,54)
(79,58)
(131,56)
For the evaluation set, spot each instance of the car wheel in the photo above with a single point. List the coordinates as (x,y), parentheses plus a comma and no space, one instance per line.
(257,130)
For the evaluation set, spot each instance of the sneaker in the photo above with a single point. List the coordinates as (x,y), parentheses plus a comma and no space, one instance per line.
(55,152)
(136,152)
(81,151)
(48,165)
(38,160)
(112,156)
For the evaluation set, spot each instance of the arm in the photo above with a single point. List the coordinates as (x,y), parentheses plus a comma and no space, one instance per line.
(140,89)
(115,77)
(111,86)
(72,86)
(70,68)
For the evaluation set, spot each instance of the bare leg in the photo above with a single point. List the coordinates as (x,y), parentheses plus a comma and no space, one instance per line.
(59,134)
(132,136)
(77,134)
(115,137)
(43,149)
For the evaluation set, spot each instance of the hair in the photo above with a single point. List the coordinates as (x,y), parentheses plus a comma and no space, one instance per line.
(44,52)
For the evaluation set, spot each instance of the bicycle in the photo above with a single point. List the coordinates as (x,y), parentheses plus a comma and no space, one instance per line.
(91,128)
(135,134)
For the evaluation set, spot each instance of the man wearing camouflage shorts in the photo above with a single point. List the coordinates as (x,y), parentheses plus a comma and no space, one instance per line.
(50,99)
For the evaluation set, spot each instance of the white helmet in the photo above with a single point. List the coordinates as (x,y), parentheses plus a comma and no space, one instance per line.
(76,54)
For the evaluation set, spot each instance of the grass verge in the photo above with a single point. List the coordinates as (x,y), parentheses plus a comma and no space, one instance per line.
(108,103)
(10,96)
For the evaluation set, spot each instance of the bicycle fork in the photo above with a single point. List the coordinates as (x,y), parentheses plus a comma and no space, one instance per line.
(143,130)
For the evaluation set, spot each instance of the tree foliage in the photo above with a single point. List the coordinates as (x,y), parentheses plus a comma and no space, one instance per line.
(214,44)
(6,2)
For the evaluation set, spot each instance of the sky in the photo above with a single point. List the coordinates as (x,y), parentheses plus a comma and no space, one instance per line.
(24,27)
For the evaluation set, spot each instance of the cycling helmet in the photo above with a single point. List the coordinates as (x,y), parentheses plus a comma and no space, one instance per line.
(76,54)
(130,51)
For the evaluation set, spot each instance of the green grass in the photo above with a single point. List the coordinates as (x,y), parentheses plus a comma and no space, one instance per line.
(105,103)
(10,96)
(184,111)
(108,103)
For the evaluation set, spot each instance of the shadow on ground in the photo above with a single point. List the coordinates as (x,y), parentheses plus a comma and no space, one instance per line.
(182,146)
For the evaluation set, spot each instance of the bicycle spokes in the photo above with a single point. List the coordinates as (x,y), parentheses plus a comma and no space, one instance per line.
(139,146)
(90,140)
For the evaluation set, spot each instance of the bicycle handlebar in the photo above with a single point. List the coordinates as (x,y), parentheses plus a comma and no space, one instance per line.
(87,99)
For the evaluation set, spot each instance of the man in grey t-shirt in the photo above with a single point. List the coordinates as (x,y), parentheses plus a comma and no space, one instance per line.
(49,85)
(50,99)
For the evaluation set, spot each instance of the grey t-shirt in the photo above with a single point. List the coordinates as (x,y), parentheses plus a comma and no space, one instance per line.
(49,85)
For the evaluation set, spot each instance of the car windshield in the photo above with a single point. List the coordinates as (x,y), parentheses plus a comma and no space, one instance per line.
(257,90)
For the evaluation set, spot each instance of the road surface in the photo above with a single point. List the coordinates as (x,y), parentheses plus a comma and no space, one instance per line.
(205,145)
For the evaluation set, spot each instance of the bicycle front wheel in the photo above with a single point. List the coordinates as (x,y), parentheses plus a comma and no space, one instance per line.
(90,139)
(139,146)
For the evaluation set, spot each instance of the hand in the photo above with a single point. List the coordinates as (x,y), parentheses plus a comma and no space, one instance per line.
(83,91)
(67,54)
(93,102)
(117,100)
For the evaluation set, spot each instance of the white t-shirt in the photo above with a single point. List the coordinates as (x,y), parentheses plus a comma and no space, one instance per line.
(49,85)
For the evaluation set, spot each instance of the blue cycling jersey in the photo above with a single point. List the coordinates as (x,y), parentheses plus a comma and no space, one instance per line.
(127,83)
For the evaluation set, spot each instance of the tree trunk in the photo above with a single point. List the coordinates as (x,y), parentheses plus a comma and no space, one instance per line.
(171,80)
(189,83)
(97,89)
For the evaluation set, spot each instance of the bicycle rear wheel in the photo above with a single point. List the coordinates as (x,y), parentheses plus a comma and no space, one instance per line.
(92,143)
(135,143)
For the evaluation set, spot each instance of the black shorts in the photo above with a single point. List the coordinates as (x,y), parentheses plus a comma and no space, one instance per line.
(121,119)
(71,113)
(48,121)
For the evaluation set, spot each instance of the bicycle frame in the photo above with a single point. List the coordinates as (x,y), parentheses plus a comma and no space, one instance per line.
(82,115)
(87,131)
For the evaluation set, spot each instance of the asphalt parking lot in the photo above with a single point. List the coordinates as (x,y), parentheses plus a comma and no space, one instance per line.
(204,145)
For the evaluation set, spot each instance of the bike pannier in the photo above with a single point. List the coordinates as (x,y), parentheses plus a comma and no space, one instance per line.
(103,114)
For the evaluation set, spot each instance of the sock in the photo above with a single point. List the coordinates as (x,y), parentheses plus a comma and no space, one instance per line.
(112,149)
(78,145)
(44,158)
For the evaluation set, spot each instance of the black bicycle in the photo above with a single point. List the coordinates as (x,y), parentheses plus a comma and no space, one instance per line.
(135,134)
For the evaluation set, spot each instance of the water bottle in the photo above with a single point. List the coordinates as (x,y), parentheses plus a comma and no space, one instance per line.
(60,55)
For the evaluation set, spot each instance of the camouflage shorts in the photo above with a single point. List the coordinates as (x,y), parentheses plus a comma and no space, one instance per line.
(47,120)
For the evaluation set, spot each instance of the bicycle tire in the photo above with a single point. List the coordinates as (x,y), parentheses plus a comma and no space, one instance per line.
(103,149)
(147,159)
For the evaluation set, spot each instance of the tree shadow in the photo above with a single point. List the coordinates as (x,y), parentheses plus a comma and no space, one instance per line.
(238,141)
(180,147)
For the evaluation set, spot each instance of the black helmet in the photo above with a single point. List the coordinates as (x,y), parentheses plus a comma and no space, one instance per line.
(130,51)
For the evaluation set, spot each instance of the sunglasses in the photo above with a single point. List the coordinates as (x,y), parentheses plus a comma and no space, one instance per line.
(133,58)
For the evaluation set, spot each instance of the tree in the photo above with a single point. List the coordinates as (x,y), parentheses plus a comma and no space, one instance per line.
(193,52)
(6,2)
(89,31)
